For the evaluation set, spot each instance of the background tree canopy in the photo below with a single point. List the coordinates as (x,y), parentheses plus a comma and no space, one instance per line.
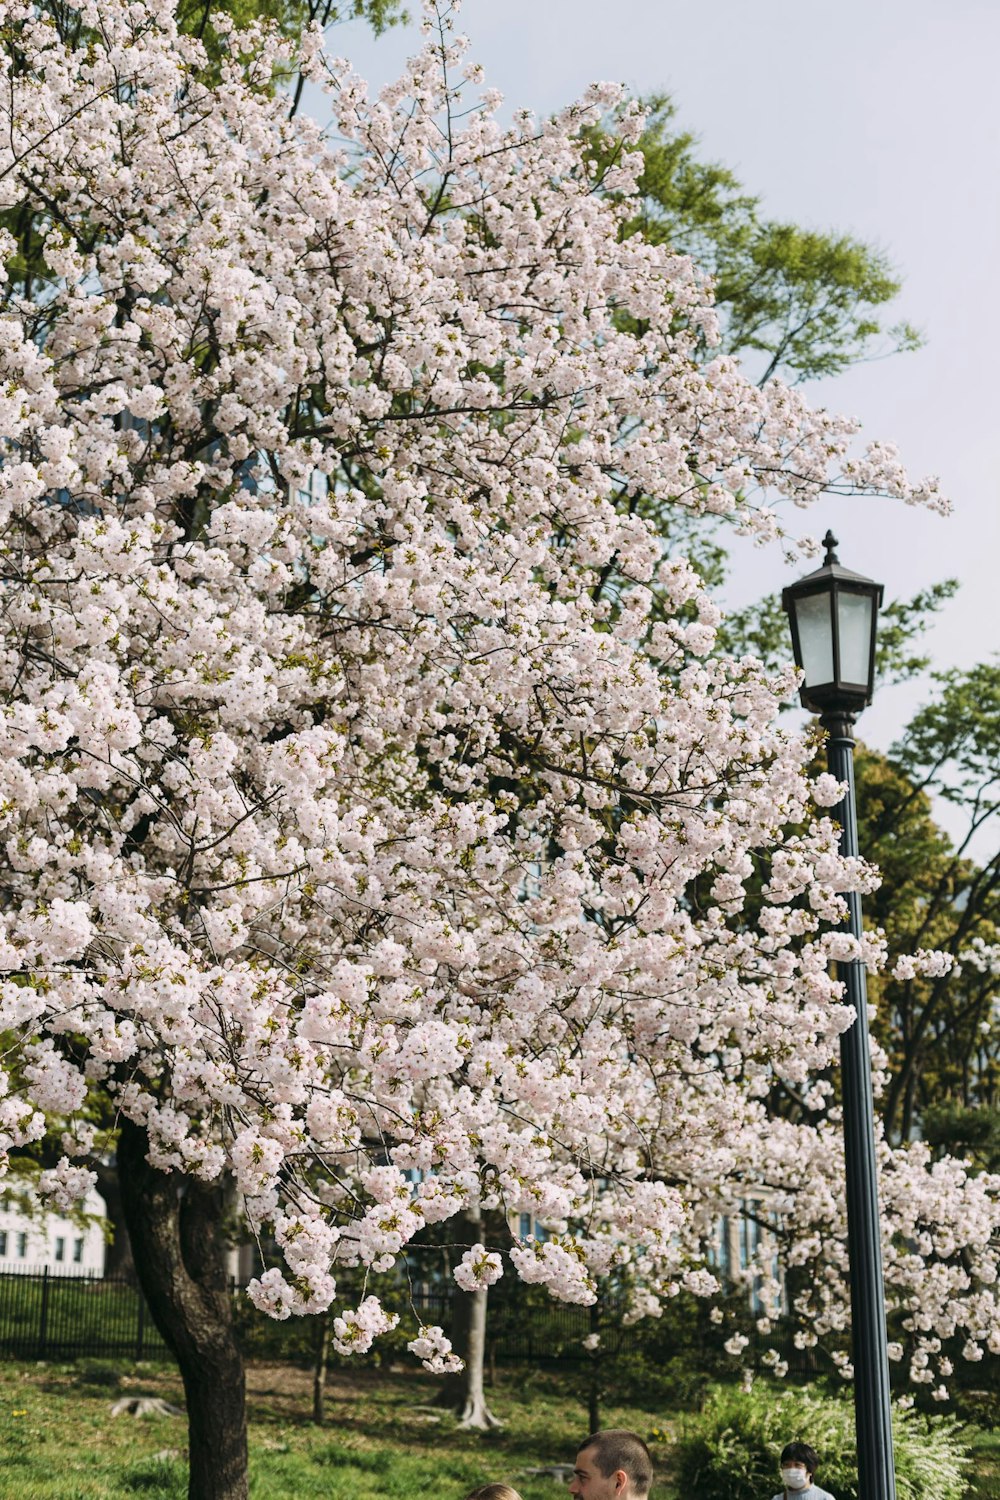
(795,302)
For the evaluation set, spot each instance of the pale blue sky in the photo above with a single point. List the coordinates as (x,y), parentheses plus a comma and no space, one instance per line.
(876,117)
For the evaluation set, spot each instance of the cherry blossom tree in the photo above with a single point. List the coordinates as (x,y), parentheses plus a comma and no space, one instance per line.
(372,841)
(940,1229)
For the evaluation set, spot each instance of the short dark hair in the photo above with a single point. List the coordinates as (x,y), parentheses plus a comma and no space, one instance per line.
(619,1449)
(800,1453)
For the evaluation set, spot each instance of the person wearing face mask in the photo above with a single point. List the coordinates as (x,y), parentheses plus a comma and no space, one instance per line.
(799,1463)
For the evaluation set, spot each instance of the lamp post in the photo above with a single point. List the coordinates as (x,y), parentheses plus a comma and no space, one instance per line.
(832,614)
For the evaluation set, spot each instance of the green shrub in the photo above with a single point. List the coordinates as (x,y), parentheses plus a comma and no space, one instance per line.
(981,1406)
(730,1450)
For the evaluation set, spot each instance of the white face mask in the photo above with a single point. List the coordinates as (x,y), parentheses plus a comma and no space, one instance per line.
(794,1479)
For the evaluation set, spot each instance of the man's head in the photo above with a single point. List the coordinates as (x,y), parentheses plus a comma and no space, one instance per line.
(613,1465)
(798,1465)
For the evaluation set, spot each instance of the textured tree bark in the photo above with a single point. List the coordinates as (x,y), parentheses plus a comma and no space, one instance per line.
(594,1385)
(465,1393)
(319,1366)
(474,1411)
(180,1261)
(118,1261)
(594,1399)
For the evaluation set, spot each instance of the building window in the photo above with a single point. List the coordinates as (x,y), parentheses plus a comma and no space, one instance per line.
(525,1227)
(3,1243)
(60,1248)
(78,1251)
(22,1244)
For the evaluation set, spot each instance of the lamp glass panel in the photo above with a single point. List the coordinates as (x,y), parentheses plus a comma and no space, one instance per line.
(854,612)
(815,621)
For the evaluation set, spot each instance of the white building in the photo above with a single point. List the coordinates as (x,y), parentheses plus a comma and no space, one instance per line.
(33,1242)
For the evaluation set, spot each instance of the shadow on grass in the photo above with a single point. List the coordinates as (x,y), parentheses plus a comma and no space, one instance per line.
(160,1479)
(537,1430)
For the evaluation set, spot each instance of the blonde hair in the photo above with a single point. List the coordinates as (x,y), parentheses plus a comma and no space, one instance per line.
(493,1492)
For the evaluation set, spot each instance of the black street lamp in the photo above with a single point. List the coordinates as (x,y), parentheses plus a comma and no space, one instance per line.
(832,613)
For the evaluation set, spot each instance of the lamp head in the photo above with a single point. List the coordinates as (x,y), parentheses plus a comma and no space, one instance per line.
(832,614)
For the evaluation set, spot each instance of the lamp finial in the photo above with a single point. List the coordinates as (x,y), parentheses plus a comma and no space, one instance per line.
(830,543)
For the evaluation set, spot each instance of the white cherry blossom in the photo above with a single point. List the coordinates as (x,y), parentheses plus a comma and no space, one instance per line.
(380,819)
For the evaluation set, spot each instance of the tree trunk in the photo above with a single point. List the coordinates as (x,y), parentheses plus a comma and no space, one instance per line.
(180,1257)
(465,1393)
(594,1399)
(319,1366)
(475,1412)
(594,1383)
(451,1396)
(118,1262)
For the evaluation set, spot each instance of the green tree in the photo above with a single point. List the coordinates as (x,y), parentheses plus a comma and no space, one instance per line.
(793,302)
(801,302)
(943,893)
(940,1032)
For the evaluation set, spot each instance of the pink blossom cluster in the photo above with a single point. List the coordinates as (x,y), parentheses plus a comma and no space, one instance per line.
(356,1331)
(434,1351)
(363,747)
(941,1222)
(478,1268)
(562,1267)
(929,962)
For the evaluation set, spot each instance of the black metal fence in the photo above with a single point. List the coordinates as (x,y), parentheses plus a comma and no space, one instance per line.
(62,1315)
(533,1334)
(48,1314)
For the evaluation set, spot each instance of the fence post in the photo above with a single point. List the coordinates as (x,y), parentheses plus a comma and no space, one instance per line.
(141,1328)
(43,1319)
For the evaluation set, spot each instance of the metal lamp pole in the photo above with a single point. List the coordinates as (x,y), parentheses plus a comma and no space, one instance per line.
(832,614)
(872,1410)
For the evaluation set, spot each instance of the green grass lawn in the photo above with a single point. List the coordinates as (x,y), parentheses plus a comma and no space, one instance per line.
(986,1458)
(58,1440)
